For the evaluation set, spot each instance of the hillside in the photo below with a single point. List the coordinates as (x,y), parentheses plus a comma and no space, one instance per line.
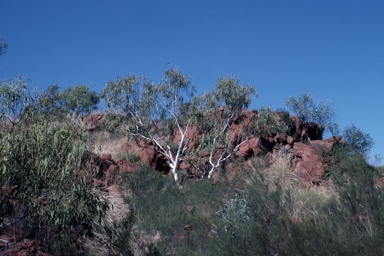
(164,171)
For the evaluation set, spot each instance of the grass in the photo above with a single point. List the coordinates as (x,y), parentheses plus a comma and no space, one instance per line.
(128,156)
(272,213)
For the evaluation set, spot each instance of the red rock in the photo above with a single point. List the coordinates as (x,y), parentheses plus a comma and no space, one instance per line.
(125,166)
(106,157)
(306,159)
(310,171)
(308,162)
(249,148)
(93,122)
(290,140)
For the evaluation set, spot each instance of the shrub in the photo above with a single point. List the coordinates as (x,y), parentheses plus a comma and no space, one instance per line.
(357,141)
(46,179)
(321,113)
(288,220)
(172,220)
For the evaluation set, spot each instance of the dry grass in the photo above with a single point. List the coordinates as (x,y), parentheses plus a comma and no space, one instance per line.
(106,143)
(104,232)
(305,200)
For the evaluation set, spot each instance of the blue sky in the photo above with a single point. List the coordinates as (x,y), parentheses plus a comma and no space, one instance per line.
(331,49)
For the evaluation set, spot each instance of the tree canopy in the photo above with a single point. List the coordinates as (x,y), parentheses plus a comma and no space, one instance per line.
(357,141)
(155,111)
(220,106)
(309,111)
(46,172)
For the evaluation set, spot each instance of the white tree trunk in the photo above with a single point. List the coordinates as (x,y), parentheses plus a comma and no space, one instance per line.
(213,169)
(173,166)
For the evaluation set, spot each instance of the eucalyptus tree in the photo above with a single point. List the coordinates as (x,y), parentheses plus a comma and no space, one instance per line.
(14,99)
(49,104)
(217,111)
(46,171)
(357,141)
(46,177)
(79,100)
(155,112)
(321,113)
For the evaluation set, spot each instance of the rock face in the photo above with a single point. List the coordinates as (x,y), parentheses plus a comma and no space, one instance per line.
(309,161)
(302,140)
(108,171)
(92,122)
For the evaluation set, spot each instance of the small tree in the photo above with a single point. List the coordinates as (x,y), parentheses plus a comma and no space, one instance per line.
(46,175)
(79,100)
(358,142)
(307,110)
(14,98)
(49,103)
(155,111)
(217,112)
(45,179)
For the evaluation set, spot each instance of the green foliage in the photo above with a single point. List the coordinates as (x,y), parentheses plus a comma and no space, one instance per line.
(360,209)
(268,123)
(309,111)
(47,175)
(233,213)
(148,102)
(272,218)
(79,100)
(227,100)
(123,237)
(14,99)
(182,217)
(155,112)
(51,184)
(220,107)
(115,123)
(232,95)
(46,183)
(49,104)
(357,141)
(124,93)
(114,234)
(54,105)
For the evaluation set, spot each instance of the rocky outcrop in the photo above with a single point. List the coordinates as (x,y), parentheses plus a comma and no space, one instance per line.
(302,140)
(92,122)
(308,160)
(108,171)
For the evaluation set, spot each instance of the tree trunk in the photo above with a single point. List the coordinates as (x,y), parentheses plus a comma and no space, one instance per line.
(175,175)
(213,169)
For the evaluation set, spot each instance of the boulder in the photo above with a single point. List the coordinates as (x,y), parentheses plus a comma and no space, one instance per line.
(93,122)
(308,161)
(249,149)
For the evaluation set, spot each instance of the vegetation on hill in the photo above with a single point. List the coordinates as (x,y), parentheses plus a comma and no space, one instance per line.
(50,194)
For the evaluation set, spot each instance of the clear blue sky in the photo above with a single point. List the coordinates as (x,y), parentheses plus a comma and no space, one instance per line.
(331,49)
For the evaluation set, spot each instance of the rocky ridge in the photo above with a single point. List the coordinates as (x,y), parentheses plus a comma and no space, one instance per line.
(302,144)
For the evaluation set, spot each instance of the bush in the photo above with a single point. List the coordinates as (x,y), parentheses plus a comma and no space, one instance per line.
(271,218)
(357,141)
(172,220)
(46,178)
(321,113)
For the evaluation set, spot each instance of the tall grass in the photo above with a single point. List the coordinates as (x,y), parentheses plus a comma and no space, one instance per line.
(272,213)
